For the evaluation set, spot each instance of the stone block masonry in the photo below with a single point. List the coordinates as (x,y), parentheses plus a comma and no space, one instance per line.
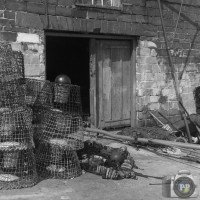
(22,23)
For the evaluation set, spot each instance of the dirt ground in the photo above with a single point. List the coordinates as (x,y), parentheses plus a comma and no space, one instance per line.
(92,187)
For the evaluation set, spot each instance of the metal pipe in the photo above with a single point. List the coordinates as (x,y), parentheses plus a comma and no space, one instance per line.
(175,81)
(144,140)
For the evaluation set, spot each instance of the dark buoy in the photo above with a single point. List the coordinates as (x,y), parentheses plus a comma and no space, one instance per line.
(63,79)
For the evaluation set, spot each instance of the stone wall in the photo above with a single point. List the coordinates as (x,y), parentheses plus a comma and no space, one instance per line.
(22,23)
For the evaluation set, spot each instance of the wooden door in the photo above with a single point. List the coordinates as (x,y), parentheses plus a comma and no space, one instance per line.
(114,87)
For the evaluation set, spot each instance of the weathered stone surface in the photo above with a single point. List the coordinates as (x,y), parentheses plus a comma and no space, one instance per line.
(62,11)
(32,59)
(16,46)
(53,22)
(79,13)
(8,36)
(15,5)
(62,23)
(52,2)
(70,24)
(90,25)
(28,20)
(9,14)
(77,24)
(34,70)
(38,8)
(5,22)
(2,4)
(83,25)
(28,37)
(66,3)
(51,9)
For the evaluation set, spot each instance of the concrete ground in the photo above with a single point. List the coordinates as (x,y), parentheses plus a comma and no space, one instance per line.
(92,187)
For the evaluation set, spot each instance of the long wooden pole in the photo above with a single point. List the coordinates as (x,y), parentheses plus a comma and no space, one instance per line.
(175,81)
(144,140)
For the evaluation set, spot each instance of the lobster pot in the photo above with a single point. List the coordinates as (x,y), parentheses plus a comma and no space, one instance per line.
(67,98)
(38,93)
(12,94)
(62,93)
(16,125)
(55,162)
(12,64)
(17,166)
(59,128)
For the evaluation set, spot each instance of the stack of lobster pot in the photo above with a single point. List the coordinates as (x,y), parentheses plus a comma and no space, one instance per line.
(17,161)
(61,132)
(38,96)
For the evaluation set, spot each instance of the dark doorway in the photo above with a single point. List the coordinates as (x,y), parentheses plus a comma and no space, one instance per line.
(70,56)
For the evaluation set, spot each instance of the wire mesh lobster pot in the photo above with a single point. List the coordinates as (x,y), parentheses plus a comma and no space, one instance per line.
(12,64)
(55,162)
(16,125)
(38,93)
(45,94)
(67,98)
(17,166)
(12,94)
(61,129)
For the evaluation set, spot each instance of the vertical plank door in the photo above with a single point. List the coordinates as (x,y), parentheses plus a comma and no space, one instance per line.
(113,83)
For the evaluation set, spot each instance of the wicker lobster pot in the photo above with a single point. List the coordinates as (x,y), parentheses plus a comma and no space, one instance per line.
(12,64)
(38,93)
(12,94)
(67,98)
(55,162)
(16,125)
(59,128)
(17,166)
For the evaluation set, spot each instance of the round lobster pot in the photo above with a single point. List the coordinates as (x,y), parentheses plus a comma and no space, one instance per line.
(61,129)
(61,93)
(17,167)
(10,159)
(12,63)
(56,162)
(16,125)
(67,98)
(12,94)
(38,93)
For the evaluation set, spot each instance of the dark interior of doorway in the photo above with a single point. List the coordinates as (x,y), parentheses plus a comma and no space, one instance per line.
(70,56)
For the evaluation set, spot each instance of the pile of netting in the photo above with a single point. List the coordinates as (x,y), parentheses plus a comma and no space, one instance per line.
(17,160)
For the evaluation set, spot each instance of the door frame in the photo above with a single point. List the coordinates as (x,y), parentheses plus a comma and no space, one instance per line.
(95,109)
(93,69)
